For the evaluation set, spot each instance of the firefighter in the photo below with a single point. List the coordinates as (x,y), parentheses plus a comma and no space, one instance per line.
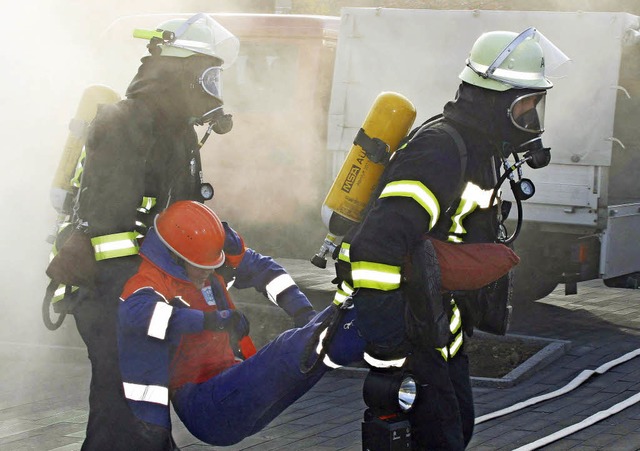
(180,337)
(142,154)
(439,185)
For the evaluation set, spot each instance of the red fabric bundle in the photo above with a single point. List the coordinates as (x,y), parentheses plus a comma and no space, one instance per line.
(472,266)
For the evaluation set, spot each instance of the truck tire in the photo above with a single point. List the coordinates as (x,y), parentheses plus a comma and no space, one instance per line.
(531,284)
(538,272)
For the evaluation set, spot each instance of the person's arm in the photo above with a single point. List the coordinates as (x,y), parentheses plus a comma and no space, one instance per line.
(147,312)
(269,278)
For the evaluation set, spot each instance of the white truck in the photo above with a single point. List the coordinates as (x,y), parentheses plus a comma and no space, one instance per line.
(303,85)
(584,220)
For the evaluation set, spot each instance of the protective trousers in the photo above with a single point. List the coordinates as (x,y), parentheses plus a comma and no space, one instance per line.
(243,399)
(443,416)
(111,425)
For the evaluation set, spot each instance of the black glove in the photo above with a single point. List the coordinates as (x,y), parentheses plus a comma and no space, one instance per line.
(303,316)
(231,321)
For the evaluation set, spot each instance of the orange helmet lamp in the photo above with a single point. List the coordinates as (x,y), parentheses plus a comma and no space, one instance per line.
(194,232)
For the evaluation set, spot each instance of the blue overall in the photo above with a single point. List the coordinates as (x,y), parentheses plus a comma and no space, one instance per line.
(243,399)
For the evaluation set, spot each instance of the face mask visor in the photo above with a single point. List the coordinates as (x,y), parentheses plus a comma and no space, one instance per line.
(202,34)
(527,112)
(211,82)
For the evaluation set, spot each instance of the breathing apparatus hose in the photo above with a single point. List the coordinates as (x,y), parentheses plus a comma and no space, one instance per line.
(46,305)
(507,173)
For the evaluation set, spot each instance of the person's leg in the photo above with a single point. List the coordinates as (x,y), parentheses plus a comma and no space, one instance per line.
(111,424)
(95,320)
(243,399)
(435,418)
(461,381)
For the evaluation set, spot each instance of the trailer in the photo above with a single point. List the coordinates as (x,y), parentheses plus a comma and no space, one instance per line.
(584,220)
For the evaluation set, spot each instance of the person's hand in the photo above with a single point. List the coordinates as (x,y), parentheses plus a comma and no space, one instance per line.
(231,321)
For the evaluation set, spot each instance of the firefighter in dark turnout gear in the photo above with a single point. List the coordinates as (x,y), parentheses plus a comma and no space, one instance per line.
(439,185)
(142,154)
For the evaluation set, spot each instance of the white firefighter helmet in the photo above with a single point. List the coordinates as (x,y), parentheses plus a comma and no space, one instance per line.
(502,60)
(199,34)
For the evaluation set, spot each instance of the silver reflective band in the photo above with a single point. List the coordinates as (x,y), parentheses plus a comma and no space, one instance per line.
(278,285)
(381,276)
(473,196)
(344,253)
(384,363)
(326,360)
(160,320)
(148,393)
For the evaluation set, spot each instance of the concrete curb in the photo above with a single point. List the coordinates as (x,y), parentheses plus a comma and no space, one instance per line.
(550,352)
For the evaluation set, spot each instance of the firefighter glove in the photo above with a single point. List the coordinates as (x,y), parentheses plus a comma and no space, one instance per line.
(230,321)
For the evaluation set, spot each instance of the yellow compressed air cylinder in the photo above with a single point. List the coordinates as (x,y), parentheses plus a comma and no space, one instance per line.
(389,120)
(92,96)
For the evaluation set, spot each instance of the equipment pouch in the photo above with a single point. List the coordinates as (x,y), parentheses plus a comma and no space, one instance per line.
(426,317)
(495,303)
(75,263)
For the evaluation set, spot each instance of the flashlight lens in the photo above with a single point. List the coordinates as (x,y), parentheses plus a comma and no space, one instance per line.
(407,393)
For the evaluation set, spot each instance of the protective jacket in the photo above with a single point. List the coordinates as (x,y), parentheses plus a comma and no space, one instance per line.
(161,339)
(141,155)
(428,188)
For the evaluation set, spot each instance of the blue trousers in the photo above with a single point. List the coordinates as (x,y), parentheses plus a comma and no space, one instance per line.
(243,399)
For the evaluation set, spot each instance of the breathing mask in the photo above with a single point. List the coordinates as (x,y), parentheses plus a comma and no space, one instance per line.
(210,83)
(526,113)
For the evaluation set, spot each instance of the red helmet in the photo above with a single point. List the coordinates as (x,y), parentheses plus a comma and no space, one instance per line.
(192,231)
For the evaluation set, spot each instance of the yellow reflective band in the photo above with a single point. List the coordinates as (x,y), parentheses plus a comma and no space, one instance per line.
(344,252)
(454,239)
(60,292)
(375,275)
(342,293)
(75,181)
(418,192)
(456,320)
(472,197)
(115,245)
(156,394)
(148,202)
(444,352)
(456,345)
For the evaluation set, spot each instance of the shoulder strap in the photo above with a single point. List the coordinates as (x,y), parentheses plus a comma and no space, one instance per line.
(439,122)
(462,150)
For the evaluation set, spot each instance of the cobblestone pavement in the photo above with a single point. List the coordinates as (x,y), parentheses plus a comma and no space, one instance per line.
(44,389)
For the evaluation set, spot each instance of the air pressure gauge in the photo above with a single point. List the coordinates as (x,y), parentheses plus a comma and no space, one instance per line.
(206,191)
(525,189)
